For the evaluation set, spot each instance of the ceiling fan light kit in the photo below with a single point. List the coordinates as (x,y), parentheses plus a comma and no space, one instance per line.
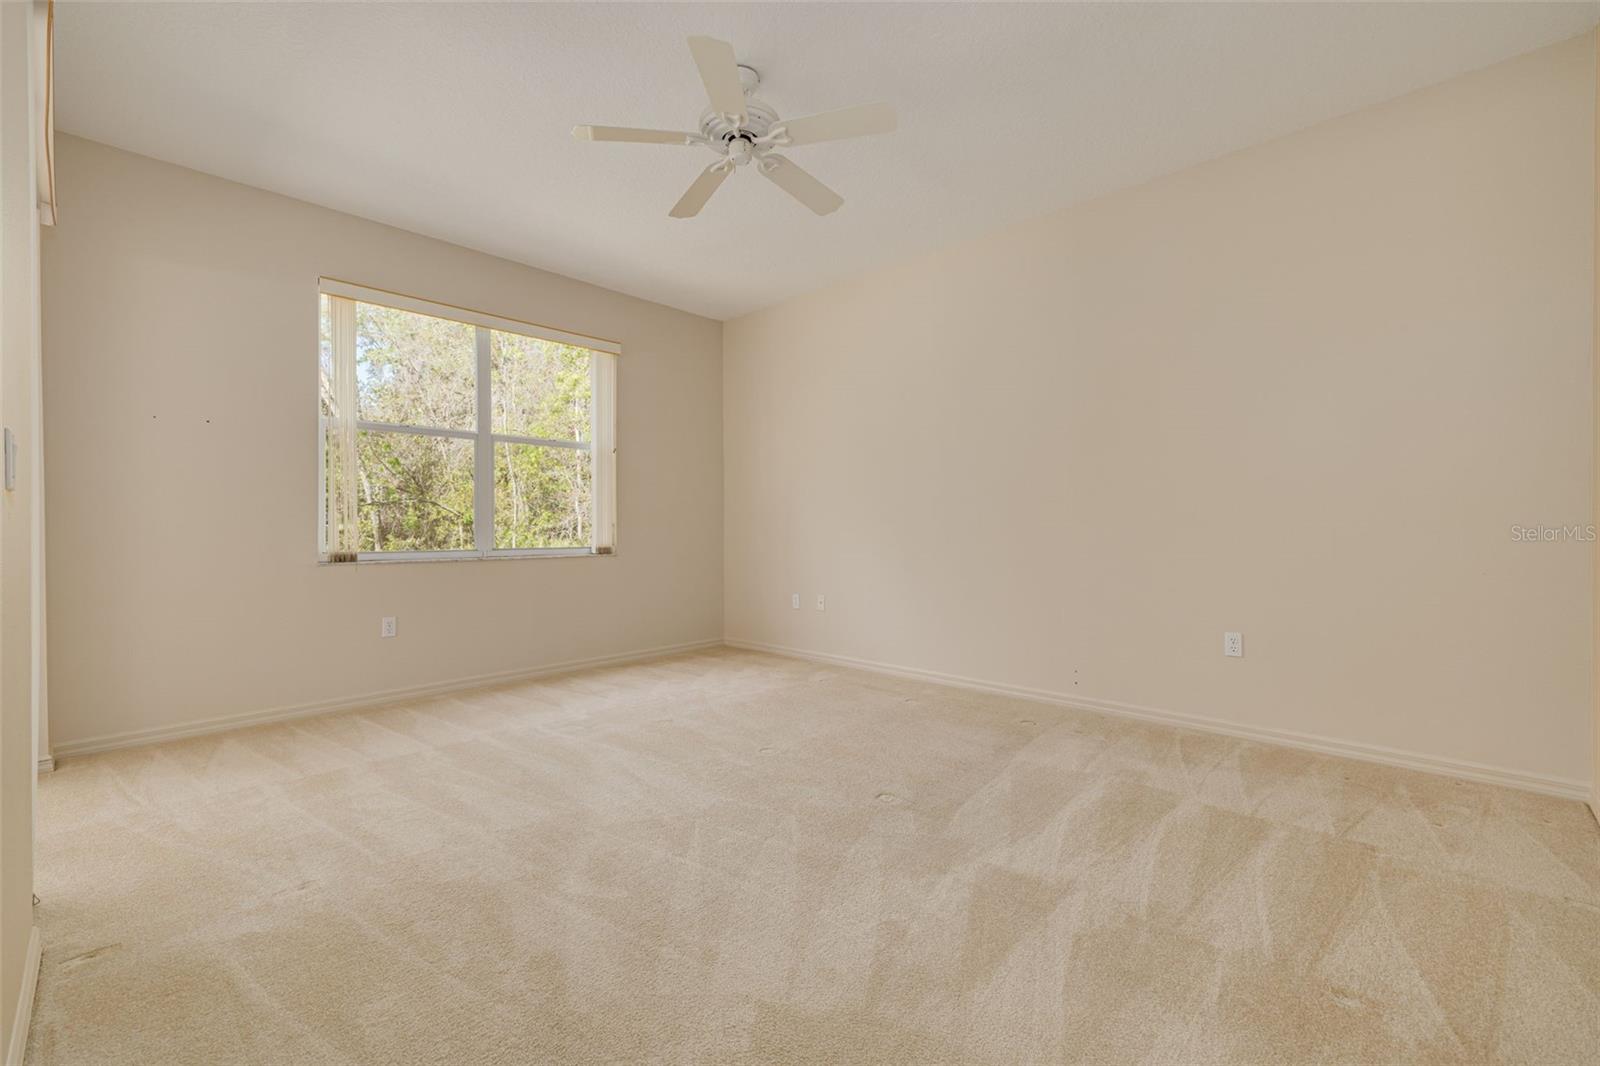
(742,130)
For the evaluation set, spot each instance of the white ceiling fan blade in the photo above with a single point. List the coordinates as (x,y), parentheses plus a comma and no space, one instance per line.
(631,135)
(706,184)
(837,125)
(800,185)
(720,72)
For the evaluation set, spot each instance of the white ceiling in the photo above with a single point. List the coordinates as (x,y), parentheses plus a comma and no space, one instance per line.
(452,119)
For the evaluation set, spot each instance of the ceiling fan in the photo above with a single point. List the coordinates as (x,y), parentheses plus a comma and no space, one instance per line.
(741,130)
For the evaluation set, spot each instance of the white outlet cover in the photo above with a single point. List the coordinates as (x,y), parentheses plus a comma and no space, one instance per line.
(389,628)
(794,601)
(1233,645)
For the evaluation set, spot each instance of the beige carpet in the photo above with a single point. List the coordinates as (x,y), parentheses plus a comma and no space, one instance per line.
(730,857)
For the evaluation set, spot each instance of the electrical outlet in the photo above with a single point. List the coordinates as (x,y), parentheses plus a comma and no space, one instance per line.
(1233,645)
(389,629)
(819,601)
(794,601)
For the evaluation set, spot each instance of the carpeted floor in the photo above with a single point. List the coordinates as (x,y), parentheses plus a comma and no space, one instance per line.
(731,857)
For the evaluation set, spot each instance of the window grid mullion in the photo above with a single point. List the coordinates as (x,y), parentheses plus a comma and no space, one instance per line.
(483,453)
(540,442)
(421,431)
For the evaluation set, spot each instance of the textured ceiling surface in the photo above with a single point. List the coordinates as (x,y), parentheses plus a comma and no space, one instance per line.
(453,120)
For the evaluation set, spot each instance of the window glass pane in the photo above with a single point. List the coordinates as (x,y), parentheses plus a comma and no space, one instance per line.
(540,388)
(542,497)
(325,352)
(414,493)
(415,370)
(330,479)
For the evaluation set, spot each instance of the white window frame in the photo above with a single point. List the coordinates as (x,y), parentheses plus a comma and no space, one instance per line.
(601,445)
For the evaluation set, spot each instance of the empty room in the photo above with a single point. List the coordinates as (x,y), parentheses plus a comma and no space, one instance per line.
(919,533)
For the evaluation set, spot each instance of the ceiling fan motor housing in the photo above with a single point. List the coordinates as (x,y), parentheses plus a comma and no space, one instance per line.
(759,119)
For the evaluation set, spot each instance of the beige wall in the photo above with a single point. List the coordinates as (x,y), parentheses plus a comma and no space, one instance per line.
(1302,392)
(180,405)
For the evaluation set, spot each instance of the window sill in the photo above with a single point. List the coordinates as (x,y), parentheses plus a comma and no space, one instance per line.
(392,558)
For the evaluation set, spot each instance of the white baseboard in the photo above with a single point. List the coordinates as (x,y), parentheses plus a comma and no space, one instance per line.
(18,1048)
(140,737)
(47,764)
(1471,771)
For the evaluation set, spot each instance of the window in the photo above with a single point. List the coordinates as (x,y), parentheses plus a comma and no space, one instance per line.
(451,433)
